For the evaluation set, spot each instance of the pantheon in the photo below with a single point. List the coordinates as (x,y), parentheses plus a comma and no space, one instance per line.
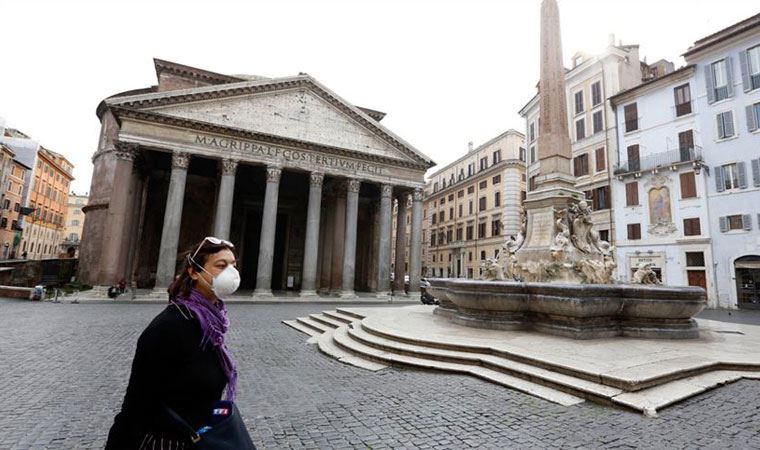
(300,180)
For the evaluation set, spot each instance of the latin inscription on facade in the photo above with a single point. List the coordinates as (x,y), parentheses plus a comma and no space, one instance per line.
(290,155)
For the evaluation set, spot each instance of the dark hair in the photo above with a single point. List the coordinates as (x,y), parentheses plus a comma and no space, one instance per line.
(183,284)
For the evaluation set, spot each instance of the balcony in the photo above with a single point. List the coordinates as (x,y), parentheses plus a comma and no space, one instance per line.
(664,160)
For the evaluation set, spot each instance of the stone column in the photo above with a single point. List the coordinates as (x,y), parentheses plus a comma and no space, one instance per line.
(349,252)
(268,228)
(167,256)
(311,246)
(399,270)
(384,250)
(415,246)
(223,217)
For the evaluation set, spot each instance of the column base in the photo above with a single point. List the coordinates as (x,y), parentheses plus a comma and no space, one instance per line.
(263,293)
(348,294)
(309,295)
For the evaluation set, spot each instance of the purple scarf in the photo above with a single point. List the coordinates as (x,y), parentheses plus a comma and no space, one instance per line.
(214,323)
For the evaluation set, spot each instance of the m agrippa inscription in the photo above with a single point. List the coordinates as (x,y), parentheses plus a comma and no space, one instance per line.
(288,155)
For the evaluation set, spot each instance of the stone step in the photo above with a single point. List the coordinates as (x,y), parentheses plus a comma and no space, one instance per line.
(347,342)
(340,316)
(302,328)
(330,322)
(313,324)
(349,313)
(573,385)
(327,345)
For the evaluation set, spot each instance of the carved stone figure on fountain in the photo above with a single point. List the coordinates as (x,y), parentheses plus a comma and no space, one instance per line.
(492,270)
(645,275)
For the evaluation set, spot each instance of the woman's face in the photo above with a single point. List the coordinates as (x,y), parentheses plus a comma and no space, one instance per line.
(215,263)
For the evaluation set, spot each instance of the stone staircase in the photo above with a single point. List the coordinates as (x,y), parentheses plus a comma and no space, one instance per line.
(346,336)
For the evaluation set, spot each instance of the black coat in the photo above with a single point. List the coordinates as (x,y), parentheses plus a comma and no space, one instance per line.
(171,368)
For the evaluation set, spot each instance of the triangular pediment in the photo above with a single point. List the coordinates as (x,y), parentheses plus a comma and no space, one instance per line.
(300,114)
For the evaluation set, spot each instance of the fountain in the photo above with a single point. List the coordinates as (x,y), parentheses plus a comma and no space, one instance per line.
(559,271)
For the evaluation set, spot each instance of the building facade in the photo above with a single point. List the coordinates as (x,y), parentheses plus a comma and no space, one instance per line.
(727,98)
(472,204)
(12,200)
(298,178)
(660,184)
(591,119)
(74,224)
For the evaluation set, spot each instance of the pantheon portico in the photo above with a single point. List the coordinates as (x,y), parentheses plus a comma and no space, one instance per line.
(302,182)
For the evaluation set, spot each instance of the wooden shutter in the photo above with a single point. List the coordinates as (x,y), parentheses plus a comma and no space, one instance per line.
(720,179)
(744,66)
(688,185)
(723,224)
(730,76)
(741,169)
(709,83)
(686,140)
(631,117)
(633,157)
(601,164)
(747,222)
(756,172)
(728,123)
(721,128)
(576,166)
(632,193)
(751,118)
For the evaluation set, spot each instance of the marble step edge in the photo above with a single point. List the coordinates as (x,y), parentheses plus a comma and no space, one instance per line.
(573,385)
(345,341)
(313,324)
(327,321)
(349,313)
(326,344)
(302,328)
(605,379)
(340,316)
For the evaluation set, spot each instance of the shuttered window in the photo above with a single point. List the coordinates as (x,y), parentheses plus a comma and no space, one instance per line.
(631,117)
(601,163)
(691,227)
(632,193)
(682,96)
(634,231)
(596,93)
(725,123)
(482,204)
(580,165)
(688,185)
(579,102)
(753,117)
(580,129)
(598,122)
(634,162)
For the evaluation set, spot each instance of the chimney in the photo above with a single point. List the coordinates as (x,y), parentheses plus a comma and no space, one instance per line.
(469,147)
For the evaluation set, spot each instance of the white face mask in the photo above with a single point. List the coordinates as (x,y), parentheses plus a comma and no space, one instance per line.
(225,283)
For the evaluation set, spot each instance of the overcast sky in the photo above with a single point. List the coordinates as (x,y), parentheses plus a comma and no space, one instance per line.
(445,72)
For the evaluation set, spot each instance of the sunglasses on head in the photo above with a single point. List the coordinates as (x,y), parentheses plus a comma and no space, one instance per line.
(214,241)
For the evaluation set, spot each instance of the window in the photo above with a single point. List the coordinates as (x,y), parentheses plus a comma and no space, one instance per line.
(725,122)
(468,231)
(460,210)
(482,204)
(736,222)
(449,236)
(688,185)
(533,154)
(753,68)
(604,235)
(451,213)
(580,165)
(441,216)
(433,219)
(634,231)
(522,154)
(730,176)
(483,254)
(691,227)
(600,198)
(601,163)
(721,86)
(496,179)
(580,129)
(3,223)
(460,194)
(461,175)
(14,225)
(631,113)
(632,193)
(686,145)
(483,184)
(633,157)
(7,204)
(682,95)
(596,93)
(496,227)
(17,207)
(470,208)
(532,132)
(497,199)
(459,234)
(470,169)
(753,117)
(578,102)
(532,183)
(471,189)
(451,197)
(598,122)
(496,156)
(481,230)
(443,200)
(695,259)
(484,163)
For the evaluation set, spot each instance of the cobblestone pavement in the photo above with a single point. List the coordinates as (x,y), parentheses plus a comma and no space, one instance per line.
(64,368)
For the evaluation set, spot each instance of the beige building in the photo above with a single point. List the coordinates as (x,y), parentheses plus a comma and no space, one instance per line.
(472,204)
(591,119)
(74,224)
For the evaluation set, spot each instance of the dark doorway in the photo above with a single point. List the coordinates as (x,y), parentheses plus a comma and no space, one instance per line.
(748,281)
(280,248)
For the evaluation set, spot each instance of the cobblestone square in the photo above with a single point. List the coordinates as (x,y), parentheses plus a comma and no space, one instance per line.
(64,368)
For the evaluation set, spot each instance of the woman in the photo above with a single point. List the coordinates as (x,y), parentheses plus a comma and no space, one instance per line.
(181,361)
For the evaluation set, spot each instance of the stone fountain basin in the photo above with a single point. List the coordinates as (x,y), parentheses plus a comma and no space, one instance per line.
(581,311)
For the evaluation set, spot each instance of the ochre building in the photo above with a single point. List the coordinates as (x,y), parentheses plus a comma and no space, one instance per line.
(301,181)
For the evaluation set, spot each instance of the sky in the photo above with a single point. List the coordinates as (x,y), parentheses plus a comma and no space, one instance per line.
(445,72)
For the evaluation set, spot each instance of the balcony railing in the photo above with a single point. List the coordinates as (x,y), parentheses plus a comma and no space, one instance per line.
(659,160)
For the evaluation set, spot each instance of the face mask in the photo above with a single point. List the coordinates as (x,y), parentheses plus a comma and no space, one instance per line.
(225,283)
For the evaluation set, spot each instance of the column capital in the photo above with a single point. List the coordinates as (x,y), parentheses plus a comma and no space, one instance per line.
(316,179)
(180,160)
(229,166)
(126,152)
(417,195)
(386,190)
(273,174)
(353,185)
